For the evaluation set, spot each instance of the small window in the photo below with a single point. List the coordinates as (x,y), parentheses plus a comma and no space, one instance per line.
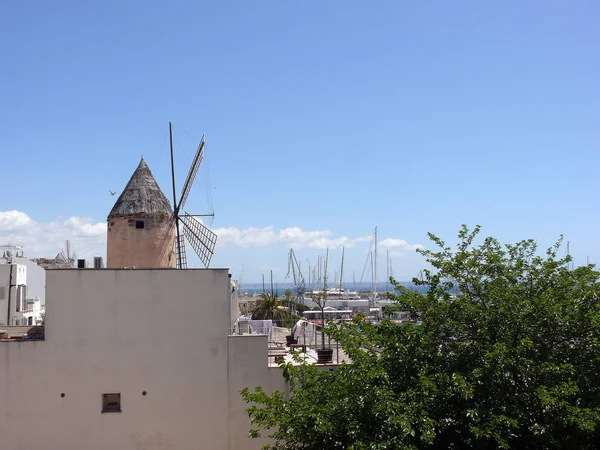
(111,403)
(139,224)
(30,320)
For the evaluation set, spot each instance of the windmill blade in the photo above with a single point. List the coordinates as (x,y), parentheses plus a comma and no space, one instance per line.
(187,186)
(181,260)
(200,238)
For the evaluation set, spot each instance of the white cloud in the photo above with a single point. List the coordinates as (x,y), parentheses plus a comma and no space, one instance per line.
(88,238)
(250,237)
(13,221)
(47,239)
(83,227)
(297,238)
(398,244)
(291,237)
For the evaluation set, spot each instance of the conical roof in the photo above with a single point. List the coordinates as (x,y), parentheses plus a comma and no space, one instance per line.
(141,195)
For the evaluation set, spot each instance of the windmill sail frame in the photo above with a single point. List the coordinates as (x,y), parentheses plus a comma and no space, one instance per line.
(200,237)
(185,192)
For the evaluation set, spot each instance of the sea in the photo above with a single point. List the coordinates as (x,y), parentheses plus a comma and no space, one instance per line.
(280,288)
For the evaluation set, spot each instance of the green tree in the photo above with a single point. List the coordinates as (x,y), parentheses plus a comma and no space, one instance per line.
(511,361)
(288,296)
(269,307)
(320,299)
(294,307)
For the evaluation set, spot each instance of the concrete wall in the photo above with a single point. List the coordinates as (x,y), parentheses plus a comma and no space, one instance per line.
(129,331)
(124,331)
(143,248)
(248,368)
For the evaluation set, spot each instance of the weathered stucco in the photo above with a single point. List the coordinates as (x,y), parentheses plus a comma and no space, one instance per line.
(164,332)
(143,248)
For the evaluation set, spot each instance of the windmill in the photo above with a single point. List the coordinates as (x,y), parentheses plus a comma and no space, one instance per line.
(187,226)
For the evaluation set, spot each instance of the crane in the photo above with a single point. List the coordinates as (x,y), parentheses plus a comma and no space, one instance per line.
(299,283)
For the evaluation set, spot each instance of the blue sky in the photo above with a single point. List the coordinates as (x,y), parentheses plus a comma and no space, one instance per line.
(326,118)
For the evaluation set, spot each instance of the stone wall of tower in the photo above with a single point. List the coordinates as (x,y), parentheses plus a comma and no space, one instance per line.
(150,247)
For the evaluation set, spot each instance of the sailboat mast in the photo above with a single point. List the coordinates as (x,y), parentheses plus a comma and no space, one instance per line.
(342,272)
(325,271)
(318,269)
(371,262)
(175,210)
(375,267)
(324,299)
(387,270)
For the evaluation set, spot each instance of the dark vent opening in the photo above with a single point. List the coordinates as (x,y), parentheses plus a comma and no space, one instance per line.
(111,403)
(139,224)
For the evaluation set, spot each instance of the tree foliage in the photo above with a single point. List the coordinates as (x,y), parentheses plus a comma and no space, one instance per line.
(270,306)
(512,361)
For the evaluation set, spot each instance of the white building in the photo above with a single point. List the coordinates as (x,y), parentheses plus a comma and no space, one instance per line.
(133,359)
(34,313)
(22,288)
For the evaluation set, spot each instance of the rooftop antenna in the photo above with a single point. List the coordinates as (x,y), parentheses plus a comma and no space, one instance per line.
(66,258)
(187,227)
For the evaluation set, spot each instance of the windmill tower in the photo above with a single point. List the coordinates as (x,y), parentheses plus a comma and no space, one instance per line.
(140,230)
(143,230)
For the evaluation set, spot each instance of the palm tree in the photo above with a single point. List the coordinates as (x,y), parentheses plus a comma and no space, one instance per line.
(268,307)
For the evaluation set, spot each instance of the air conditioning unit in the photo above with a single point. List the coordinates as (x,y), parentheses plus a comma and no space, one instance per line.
(98,262)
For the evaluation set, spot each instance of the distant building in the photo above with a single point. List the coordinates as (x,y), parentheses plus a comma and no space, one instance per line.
(34,314)
(46,263)
(22,288)
(141,231)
